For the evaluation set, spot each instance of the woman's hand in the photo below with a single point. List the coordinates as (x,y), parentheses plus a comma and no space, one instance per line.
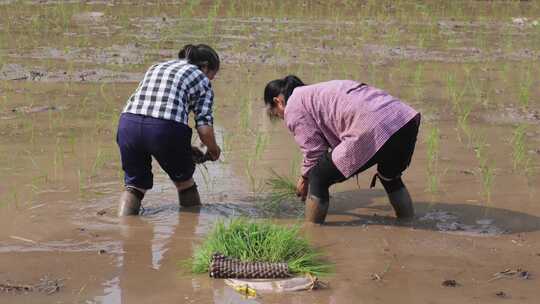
(302,188)
(214,153)
(206,134)
(198,155)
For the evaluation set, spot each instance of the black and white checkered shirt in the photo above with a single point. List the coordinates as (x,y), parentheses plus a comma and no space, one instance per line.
(171,90)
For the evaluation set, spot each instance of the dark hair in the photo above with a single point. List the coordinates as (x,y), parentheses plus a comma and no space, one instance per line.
(200,55)
(283,86)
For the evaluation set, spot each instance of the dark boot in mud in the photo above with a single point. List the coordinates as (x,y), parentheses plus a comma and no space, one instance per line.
(315,210)
(402,203)
(399,198)
(130,202)
(189,197)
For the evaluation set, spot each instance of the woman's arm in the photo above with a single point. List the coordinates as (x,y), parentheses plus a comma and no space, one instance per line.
(204,119)
(310,139)
(312,143)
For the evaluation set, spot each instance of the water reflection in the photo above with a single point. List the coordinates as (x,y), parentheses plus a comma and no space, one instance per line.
(152,247)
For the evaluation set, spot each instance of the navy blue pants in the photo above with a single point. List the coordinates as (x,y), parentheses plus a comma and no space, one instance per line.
(140,137)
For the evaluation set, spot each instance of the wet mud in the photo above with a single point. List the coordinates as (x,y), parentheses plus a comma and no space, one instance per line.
(470,67)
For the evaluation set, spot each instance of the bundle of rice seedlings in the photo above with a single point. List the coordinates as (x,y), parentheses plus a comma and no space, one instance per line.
(280,196)
(251,241)
(282,188)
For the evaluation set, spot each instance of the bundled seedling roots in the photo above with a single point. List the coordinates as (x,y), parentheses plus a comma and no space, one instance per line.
(45,285)
(199,157)
(223,267)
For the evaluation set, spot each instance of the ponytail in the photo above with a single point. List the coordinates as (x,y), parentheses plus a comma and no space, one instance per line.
(201,55)
(283,86)
(184,52)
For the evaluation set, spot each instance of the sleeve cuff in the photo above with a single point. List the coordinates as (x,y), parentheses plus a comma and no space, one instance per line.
(200,123)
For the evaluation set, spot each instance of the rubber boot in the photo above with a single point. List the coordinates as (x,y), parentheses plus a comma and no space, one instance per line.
(402,203)
(315,210)
(130,202)
(398,195)
(189,197)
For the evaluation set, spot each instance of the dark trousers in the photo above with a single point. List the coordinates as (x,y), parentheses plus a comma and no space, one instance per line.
(141,137)
(391,160)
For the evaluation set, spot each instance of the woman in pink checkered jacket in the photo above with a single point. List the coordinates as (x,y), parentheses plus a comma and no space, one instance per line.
(344,127)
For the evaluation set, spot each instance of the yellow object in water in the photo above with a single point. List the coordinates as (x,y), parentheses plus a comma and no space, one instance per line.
(251,287)
(245,290)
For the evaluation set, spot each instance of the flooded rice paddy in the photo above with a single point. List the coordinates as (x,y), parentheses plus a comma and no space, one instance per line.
(471,67)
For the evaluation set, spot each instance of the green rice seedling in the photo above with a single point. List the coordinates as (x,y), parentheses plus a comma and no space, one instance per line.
(231,9)
(191,6)
(123,20)
(32,132)
(51,120)
(57,158)
(63,16)
(537,33)
(454,94)
(35,181)
(3,103)
(99,162)
(81,180)
(505,72)
(519,151)
(251,241)
(281,188)
(392,36)
(433,150)
(508,40)
(254,183)
(417,82)
(372,71)
(245,113)
(520,158)
(227,139)
(486,168)
(487,180)
(212,14)
(15,198)
(3,57)
(104,95)
(205,174)
(295,164)
(474,84)
(525,89)
(421,40)
(481,40)
(72,141)
(261,141)
(463,111)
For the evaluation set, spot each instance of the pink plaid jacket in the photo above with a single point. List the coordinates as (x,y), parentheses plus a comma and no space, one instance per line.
(352,119)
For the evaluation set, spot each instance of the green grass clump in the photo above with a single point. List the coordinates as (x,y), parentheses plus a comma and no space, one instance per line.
(251,241)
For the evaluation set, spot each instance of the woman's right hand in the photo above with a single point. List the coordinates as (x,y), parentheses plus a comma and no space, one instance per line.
(214,153)
(206,134)
(302,188)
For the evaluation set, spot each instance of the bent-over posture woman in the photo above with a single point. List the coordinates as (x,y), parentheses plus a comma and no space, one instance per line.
(344,127)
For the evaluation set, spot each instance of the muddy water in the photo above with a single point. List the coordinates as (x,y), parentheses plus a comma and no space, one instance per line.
(471,68)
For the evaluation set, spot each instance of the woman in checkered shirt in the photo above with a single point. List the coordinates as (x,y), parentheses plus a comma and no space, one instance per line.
(344,127)
(154,123)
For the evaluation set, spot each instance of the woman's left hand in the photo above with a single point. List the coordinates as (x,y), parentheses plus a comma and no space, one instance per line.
(197,154)
(302,188)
